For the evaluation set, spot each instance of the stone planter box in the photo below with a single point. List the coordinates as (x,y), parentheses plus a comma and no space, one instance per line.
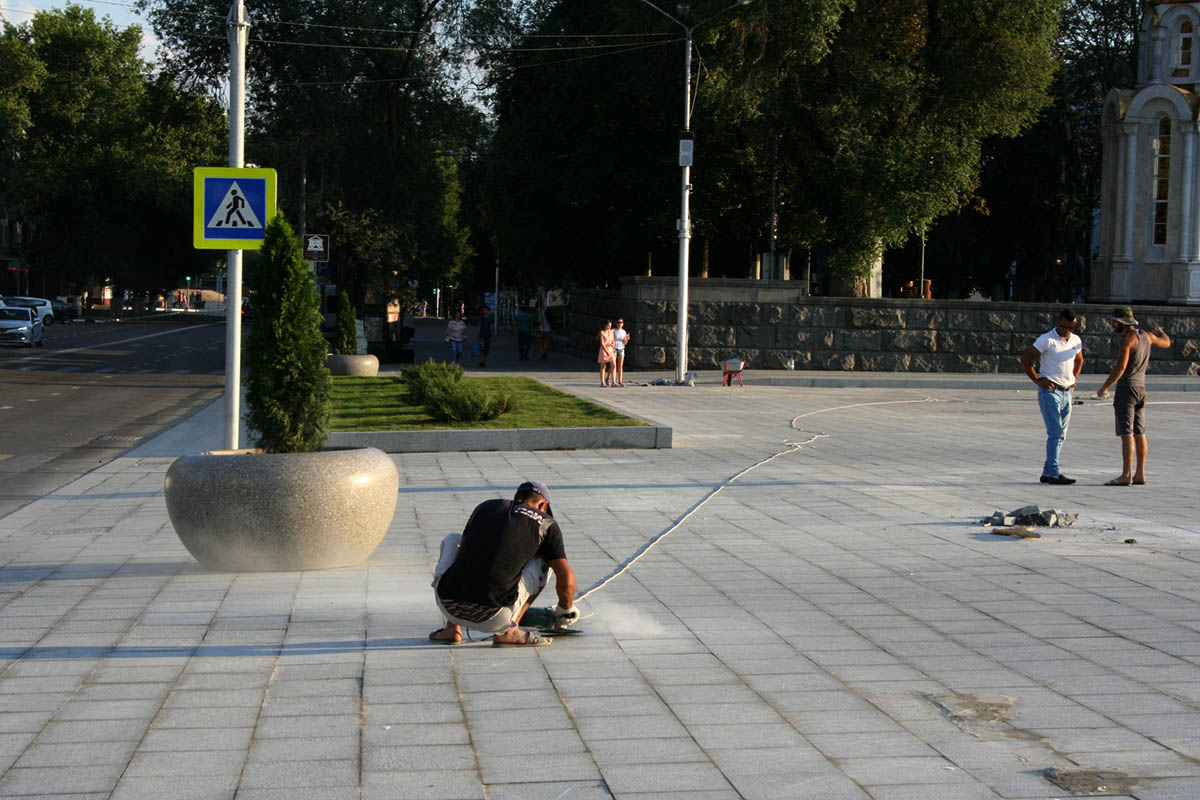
(360,366)
(248,511)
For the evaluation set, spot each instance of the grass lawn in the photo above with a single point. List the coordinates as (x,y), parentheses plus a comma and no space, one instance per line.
(381,404)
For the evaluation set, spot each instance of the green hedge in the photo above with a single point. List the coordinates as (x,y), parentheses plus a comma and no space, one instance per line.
(464,401)
(418,377)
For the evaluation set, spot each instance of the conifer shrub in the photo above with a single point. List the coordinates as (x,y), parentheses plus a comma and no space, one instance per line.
(418,377)
(464,401)
(345,339)
(287,383)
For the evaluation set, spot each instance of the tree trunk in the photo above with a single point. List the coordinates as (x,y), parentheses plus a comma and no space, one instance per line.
(858,271)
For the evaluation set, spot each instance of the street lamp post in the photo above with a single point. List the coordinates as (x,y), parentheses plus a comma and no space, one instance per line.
(685,164)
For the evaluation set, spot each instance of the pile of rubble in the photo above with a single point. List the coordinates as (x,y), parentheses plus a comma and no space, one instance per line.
(1031,516)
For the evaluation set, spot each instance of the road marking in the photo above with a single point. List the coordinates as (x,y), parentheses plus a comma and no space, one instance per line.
(5,408)
(121,341)
(5,455)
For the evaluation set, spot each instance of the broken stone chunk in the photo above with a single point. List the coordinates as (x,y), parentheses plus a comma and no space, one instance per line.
(1017,532)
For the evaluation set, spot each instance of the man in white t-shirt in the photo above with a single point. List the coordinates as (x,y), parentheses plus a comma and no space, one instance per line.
(1053,362)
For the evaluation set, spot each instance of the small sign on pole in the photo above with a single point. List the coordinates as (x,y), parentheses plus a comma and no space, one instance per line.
(686,148)
(316,247)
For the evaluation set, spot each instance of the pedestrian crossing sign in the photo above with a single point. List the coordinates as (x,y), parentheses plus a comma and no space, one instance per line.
(231,207)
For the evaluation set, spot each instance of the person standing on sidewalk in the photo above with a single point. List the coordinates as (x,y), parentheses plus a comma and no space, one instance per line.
(620,339)
(1129,401)
(607,359)
(1053,362)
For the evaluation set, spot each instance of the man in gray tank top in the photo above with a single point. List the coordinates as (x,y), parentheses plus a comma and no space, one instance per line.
(1129,400)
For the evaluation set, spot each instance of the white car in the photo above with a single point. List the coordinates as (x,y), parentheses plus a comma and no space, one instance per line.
(44,308)
(20,325)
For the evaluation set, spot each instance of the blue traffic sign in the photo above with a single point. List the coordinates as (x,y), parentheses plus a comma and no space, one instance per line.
(231,207)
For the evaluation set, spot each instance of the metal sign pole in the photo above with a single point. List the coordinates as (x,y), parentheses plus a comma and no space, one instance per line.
(237,34)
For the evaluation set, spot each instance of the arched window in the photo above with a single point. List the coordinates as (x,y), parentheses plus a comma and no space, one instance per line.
(1183,50)
(1162,179)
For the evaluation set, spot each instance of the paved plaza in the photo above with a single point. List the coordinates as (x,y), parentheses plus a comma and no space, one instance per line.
(834,623)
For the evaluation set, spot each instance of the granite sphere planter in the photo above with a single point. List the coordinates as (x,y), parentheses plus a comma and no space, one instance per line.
(364,366)
(249,511)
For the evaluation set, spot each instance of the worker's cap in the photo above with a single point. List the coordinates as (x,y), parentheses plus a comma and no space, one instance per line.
(1123,316)
(540,488)
(535,486)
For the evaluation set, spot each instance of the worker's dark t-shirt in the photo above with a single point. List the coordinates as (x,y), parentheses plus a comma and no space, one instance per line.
(501,537)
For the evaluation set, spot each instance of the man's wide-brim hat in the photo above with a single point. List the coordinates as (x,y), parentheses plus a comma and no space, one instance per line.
(1123,316)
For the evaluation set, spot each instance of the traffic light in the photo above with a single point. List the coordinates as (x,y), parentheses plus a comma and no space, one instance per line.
(435,291)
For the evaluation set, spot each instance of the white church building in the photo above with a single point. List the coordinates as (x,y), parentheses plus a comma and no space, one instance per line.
(1149,249)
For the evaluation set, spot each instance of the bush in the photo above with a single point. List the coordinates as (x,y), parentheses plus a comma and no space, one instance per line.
(464,401)
(417,377)
(345,338)
(287,383)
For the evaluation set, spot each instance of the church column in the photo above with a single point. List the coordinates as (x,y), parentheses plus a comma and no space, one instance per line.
(1185,272)
(1190,251)
(1187,132)
(1157,36)
(1130,178)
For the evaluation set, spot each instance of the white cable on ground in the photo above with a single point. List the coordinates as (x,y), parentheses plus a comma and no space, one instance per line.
(792,447)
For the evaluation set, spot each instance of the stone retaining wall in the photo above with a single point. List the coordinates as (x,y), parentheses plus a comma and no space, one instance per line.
(768,322)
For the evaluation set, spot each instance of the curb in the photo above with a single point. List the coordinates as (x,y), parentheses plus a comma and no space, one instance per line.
(642,437)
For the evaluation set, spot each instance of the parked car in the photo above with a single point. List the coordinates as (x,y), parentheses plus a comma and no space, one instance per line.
(45,311)
(62,311)
(21,326)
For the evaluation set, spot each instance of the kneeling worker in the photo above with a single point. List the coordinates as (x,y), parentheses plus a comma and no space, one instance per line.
(489,575)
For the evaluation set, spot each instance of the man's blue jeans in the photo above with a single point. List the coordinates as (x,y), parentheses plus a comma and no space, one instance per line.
(1056,413)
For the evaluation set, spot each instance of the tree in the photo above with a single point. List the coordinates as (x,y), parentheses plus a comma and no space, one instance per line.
(1039,192)
(103,168)
(288,385)
(354,106)
(345,339)
(884,133)
(21,75)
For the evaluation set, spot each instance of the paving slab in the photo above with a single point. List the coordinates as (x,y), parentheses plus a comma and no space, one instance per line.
(824,618)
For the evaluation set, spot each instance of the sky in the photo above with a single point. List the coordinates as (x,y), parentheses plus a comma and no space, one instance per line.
(122,14)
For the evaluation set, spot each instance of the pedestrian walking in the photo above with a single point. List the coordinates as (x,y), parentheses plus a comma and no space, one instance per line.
(544,335)
(456,331)
(1129,400)
(524,323)
(1053,362)
(484,333)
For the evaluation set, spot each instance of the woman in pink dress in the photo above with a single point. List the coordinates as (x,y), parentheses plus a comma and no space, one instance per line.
(608,354)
